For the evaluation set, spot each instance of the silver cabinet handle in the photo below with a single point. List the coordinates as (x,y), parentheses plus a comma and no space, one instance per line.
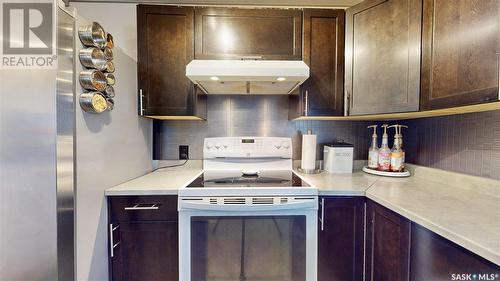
(347,103)
(322,217)
(498,58)
(112,244)
(306,103)
(139,207)
(141,97)
(251,58)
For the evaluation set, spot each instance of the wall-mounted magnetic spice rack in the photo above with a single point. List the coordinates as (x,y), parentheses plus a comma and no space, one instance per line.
(97,79)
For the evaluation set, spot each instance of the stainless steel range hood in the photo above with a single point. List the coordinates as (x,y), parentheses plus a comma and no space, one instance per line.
(247,77)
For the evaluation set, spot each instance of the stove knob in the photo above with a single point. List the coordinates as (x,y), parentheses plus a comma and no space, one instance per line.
(209,145)
(217,145)
(278,146)
(225,146)
(285,145)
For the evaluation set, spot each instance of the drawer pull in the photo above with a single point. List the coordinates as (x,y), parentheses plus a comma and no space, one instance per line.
(142,207)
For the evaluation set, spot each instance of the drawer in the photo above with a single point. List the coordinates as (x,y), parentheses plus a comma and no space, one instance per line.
(142,208)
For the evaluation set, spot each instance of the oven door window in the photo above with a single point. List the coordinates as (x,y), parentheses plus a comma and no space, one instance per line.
(271,248)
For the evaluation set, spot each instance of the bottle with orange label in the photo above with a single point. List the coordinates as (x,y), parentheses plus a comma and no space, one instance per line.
(384,153)
(397,152)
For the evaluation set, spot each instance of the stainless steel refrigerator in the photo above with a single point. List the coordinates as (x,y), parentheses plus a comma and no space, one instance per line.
(56,160)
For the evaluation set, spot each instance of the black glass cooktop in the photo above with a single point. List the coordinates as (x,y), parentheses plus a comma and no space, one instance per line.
(221,179)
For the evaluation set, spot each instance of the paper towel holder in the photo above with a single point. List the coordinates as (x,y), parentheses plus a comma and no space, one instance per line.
(308,171)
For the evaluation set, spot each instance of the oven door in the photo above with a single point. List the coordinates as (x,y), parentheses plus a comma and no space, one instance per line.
(244,238)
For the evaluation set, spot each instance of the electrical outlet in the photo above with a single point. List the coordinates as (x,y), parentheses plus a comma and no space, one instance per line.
(183,151)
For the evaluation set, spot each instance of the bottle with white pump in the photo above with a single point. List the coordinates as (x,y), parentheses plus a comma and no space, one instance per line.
(401,143)
(373,151)
(397,154)
(384,153)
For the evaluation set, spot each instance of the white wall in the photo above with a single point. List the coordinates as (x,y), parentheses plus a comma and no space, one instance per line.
(112,147)
(117,18)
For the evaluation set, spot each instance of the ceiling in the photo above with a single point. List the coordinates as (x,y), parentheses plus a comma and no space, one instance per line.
(287,3)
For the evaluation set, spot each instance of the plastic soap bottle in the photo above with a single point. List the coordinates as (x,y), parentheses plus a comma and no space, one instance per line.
(401,143)
(397,153)
(373,151)
(384,153)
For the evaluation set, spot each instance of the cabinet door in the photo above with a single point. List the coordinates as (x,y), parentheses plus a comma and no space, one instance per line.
(460,52)
(387,244)
(324,54)
(145,251)
(165,46)
(436,258)
(233,33)
(383,56)
(341,239)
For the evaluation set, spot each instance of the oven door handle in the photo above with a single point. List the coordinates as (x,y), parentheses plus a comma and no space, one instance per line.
(309,204)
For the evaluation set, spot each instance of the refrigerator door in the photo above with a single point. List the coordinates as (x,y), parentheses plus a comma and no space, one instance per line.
(65,98)
(37,166)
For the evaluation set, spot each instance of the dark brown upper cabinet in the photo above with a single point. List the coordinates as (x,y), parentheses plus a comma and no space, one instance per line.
(165,46)
(383,56)
(387,244)
(460,53)
(233,33)
(323,93)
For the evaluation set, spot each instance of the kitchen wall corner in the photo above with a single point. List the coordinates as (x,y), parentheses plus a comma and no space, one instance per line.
(111,147)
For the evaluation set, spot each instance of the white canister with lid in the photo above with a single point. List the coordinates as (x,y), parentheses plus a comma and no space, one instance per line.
(338,157)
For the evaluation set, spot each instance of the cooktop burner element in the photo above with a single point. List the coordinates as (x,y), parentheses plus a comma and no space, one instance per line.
(236,179)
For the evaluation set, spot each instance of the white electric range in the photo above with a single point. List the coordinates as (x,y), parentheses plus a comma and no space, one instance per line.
(248,216)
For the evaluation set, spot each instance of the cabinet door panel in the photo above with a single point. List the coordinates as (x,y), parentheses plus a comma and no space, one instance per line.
(383,56)
(388,245)
(165,46)
(324,53)
(147,251)
(461,52)
(436,258)
(341,239)
(231,33)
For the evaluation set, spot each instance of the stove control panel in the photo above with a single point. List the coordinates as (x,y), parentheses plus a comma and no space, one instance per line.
(247,147)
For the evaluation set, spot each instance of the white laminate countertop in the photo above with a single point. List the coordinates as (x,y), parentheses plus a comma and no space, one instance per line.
(160,182)
(461,208)
(354,184)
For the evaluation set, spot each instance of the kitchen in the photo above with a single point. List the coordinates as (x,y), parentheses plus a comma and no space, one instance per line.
(244,140)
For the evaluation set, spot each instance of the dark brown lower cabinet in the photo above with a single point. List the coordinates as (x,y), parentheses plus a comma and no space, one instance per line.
(341,238)
(436,258)
(143,238)
(387,244)
(147,251)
